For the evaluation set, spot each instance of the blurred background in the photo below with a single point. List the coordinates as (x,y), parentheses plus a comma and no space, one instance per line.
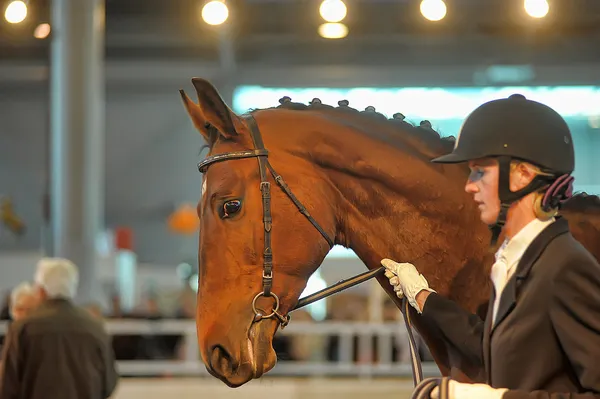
(98,156)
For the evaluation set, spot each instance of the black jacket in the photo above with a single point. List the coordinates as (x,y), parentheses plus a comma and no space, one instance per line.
(546,339)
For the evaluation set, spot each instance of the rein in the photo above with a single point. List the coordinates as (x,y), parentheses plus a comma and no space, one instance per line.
(423,387)
(361,278)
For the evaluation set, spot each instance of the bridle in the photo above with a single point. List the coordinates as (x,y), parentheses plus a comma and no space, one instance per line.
(261,153)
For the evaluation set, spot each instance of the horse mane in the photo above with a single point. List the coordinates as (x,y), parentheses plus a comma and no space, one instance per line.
(579,203)
(583,203)
(583,213)
(423,132)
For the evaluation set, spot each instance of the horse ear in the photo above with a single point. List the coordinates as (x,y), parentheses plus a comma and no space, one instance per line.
(214,109)
(196,115)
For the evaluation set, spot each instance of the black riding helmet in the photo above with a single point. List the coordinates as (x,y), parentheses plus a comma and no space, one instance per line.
(515,128)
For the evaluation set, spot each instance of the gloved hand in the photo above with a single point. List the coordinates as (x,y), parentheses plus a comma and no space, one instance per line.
(406,280)
(459,390)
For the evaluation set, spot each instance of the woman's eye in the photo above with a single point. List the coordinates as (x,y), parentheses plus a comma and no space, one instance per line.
(232,207)
(476,175)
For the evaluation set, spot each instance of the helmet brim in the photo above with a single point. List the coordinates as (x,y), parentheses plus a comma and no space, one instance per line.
(452,158)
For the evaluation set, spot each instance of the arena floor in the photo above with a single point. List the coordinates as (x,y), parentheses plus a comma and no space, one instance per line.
(281,388)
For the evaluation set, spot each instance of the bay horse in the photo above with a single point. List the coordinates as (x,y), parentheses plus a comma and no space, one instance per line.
(282,185)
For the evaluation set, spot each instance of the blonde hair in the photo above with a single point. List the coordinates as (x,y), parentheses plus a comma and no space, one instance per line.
(538,195)
(21,290)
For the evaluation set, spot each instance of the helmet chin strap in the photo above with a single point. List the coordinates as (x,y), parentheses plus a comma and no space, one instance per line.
(507,197)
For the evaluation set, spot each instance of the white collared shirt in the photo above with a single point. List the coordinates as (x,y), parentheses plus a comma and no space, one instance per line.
(509,255)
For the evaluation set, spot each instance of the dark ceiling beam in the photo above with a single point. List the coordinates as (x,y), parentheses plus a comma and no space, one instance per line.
(160,75)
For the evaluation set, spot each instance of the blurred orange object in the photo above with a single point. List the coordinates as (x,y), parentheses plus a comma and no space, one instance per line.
(184,220)
(124,238)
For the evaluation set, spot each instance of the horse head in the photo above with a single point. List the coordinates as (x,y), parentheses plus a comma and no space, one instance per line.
(248,279)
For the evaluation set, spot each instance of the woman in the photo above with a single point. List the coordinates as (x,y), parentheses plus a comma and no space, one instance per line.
(23,300)
(541,335)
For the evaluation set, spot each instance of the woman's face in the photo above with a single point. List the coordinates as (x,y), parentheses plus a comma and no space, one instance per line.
(23,306)
(483,184)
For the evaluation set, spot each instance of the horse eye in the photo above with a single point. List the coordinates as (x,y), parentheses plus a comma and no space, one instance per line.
(231,207)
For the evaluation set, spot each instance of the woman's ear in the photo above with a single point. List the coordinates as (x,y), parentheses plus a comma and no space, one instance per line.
(521,174)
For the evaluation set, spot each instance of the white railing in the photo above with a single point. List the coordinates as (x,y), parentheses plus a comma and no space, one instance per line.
(190,363)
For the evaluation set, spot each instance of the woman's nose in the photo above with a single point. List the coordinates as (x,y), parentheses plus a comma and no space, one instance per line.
(471,187)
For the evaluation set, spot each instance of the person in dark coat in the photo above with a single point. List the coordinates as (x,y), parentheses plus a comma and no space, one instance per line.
(541,334)
(59,351)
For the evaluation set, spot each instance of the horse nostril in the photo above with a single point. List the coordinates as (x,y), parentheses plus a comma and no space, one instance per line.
(221,361)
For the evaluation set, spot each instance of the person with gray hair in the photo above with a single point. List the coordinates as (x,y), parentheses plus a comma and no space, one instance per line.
(59,350)
(23,300)
(56,278)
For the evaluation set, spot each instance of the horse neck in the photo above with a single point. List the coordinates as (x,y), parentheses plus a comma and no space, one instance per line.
(391,202)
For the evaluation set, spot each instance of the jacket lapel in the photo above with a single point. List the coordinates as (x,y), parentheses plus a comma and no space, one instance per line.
(509,296)
(487,326)
(507,301)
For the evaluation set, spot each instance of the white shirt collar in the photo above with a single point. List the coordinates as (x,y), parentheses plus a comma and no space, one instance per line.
(512,250)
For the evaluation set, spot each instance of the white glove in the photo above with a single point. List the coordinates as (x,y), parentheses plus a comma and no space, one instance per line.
(406,280)
(459,390)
